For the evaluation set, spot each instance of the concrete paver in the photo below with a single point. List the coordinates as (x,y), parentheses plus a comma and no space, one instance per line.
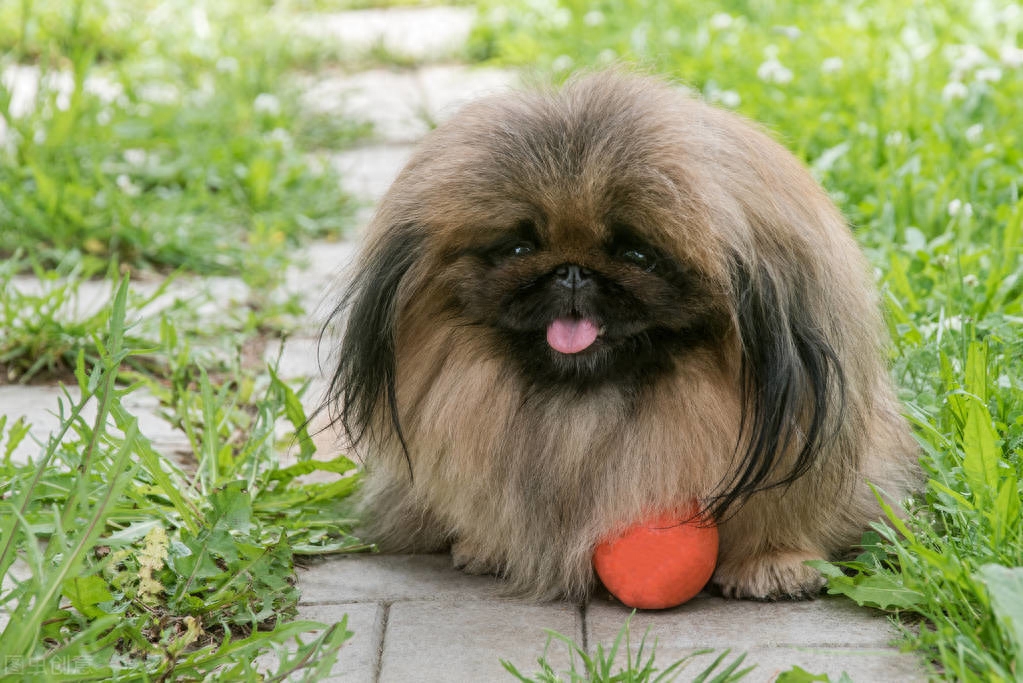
(861,665)
(391,578)
(392,100)
(318,278)
(825,635)
(466,641)
(411,32)
(359,658)
(717,622)
(403,105)
(448,87)
(367,172)
(39,404)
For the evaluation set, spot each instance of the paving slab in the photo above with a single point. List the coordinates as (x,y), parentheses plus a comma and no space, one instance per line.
(448,87)
(466,641)
(391,578)
(76,300)
(403,105)
(392,100)
(359,657)
(716,622)
(367,172)
(860,665)
(318,278)
(39,405)
(418,33)
(297,358)
(825,635)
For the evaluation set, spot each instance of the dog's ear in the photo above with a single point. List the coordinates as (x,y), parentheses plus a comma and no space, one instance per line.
(792,383)
(366,366)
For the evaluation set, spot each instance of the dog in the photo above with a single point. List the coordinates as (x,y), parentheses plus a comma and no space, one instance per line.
(579,307)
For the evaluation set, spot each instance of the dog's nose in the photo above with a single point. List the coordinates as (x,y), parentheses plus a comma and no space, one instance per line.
(572,276)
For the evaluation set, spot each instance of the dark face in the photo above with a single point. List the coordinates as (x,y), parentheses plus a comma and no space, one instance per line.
(596,306)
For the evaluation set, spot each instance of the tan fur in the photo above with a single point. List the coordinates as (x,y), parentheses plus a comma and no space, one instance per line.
(524,483)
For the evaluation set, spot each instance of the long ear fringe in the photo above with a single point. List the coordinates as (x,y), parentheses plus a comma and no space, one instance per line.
(793,389)
(366,366)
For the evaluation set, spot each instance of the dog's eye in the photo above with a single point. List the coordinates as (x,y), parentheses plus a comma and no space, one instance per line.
(638,258)
(523,248)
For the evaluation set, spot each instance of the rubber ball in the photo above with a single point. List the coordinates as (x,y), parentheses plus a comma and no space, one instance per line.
(659,563)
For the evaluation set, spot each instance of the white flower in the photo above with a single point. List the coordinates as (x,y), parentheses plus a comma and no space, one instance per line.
(638,38)
(227,65)
(954,91)
(970,57)
(790,32)
(200,24)
(160,93)
(281,136)
(561,18)
(729,98)
(974,132)
(128,187)
(958,206)
(266,103)
(562,63)
(894,138)
(104,116)
(1011,56)
(593,18)
(135,157)
(832,65)
(673,36)
(499,14)
(721,21)
(971,280)
(607,56)
(990,74)
(773,71)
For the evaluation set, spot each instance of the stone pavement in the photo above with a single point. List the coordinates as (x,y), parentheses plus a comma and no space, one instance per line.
(414,617)
(417,619)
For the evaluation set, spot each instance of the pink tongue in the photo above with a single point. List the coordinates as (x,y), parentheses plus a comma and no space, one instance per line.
(571,336)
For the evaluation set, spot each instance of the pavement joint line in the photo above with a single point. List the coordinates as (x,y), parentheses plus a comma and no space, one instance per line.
(584,627)
(378,665)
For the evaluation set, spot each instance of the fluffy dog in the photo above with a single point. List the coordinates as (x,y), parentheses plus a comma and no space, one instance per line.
(577,308)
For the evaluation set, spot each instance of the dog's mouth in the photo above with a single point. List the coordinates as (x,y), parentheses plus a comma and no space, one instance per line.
(573,335)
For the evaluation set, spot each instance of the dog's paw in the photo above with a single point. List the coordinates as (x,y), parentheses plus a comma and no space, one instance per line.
(467,559)
(780,575)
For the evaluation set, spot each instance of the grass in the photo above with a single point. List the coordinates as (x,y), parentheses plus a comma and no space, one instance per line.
(605,665)
(143,148)
(168,138)
(907,113)
(139,568)
(163,144)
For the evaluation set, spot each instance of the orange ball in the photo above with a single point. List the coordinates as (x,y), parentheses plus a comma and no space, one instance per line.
(659,563)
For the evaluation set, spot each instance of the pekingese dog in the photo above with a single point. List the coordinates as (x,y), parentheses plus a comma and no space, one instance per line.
(575,309)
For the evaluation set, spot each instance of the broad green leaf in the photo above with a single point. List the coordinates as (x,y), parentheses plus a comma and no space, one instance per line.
(881,590)
(976,370)
(800,675)
(338,465)
(295,413)
(980,450)
(1005,586)
(87,592)
(1005,517)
